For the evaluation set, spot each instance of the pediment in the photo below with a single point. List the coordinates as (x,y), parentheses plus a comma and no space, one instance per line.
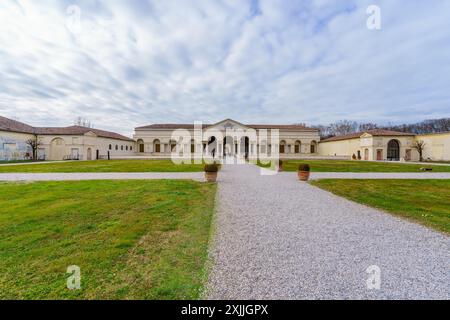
(90,134)
(228,124)
(366,135)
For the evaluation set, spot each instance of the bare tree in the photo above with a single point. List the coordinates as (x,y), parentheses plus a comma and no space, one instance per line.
(343,127)
(83,122)
(419,146)
(367,126)
(34,144)
(324,131)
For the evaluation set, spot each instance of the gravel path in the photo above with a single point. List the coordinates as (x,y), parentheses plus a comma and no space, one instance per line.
(198,176)
(278,238)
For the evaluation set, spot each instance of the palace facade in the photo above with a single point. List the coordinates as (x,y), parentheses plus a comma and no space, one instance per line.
(227,138)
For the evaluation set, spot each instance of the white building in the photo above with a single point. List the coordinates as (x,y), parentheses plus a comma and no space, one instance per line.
(227,138)
(74,142)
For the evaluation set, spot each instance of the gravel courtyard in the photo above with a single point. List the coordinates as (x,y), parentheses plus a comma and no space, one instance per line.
(278,238)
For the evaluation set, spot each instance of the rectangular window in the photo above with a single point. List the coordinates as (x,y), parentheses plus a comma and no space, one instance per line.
(157,147)
(10,146)
(75,153)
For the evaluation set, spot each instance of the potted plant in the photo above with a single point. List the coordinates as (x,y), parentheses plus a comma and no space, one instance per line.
(211,172)
(280,165)
(303,172)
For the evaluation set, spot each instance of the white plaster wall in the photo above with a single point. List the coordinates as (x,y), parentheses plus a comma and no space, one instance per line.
(13,146)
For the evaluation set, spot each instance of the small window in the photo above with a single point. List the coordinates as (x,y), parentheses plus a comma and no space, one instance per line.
(131,148)
(110,147)
(117,147)
(121,148)
(126,148)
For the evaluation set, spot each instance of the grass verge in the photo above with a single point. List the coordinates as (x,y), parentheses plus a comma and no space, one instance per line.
(423,201)
(131,239)
(105,166)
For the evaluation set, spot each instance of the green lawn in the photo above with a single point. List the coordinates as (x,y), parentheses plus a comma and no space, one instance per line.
(131,239)
(14,161)
(106,166)
(423,201)
(359,166)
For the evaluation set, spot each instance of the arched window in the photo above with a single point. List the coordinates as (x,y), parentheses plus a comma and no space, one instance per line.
(117,147)
(282,146)
(313,146)
(121,148)
(131,148)
(192,146)
(140,144)
(173,145)
(297,147)
(110,147)
(126,148)
(156,146)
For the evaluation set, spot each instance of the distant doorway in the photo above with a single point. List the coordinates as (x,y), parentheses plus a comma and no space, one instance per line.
(245,146)
(366,154)
(379,155)
(228,146)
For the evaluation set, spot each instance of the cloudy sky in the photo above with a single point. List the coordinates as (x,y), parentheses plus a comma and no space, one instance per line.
(127,63)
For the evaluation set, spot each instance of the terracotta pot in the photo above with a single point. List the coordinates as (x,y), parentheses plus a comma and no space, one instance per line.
(211,176)
(303,175)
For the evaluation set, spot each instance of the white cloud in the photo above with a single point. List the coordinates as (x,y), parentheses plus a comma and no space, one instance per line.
(139,62)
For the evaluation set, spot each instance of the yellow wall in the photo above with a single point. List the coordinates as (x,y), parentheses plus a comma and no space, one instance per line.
(340,148)
(437,146)
(368,147)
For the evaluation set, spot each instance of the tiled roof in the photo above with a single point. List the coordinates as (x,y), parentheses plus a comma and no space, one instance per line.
(79,130)
(375,133)
(172,126)
(16,126)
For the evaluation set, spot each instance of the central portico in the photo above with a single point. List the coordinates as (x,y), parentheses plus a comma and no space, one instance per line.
(226,138)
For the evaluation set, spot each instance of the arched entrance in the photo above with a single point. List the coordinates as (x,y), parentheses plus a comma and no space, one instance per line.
(393,150)
(212,146)
(245,145)
(140,144)
(57,149)
(366,154)
(313,146)
(298,145)
(228,144)
(89,154)
(282,147)
(156,146)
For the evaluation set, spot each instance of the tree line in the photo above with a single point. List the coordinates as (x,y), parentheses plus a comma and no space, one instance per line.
(344,127)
